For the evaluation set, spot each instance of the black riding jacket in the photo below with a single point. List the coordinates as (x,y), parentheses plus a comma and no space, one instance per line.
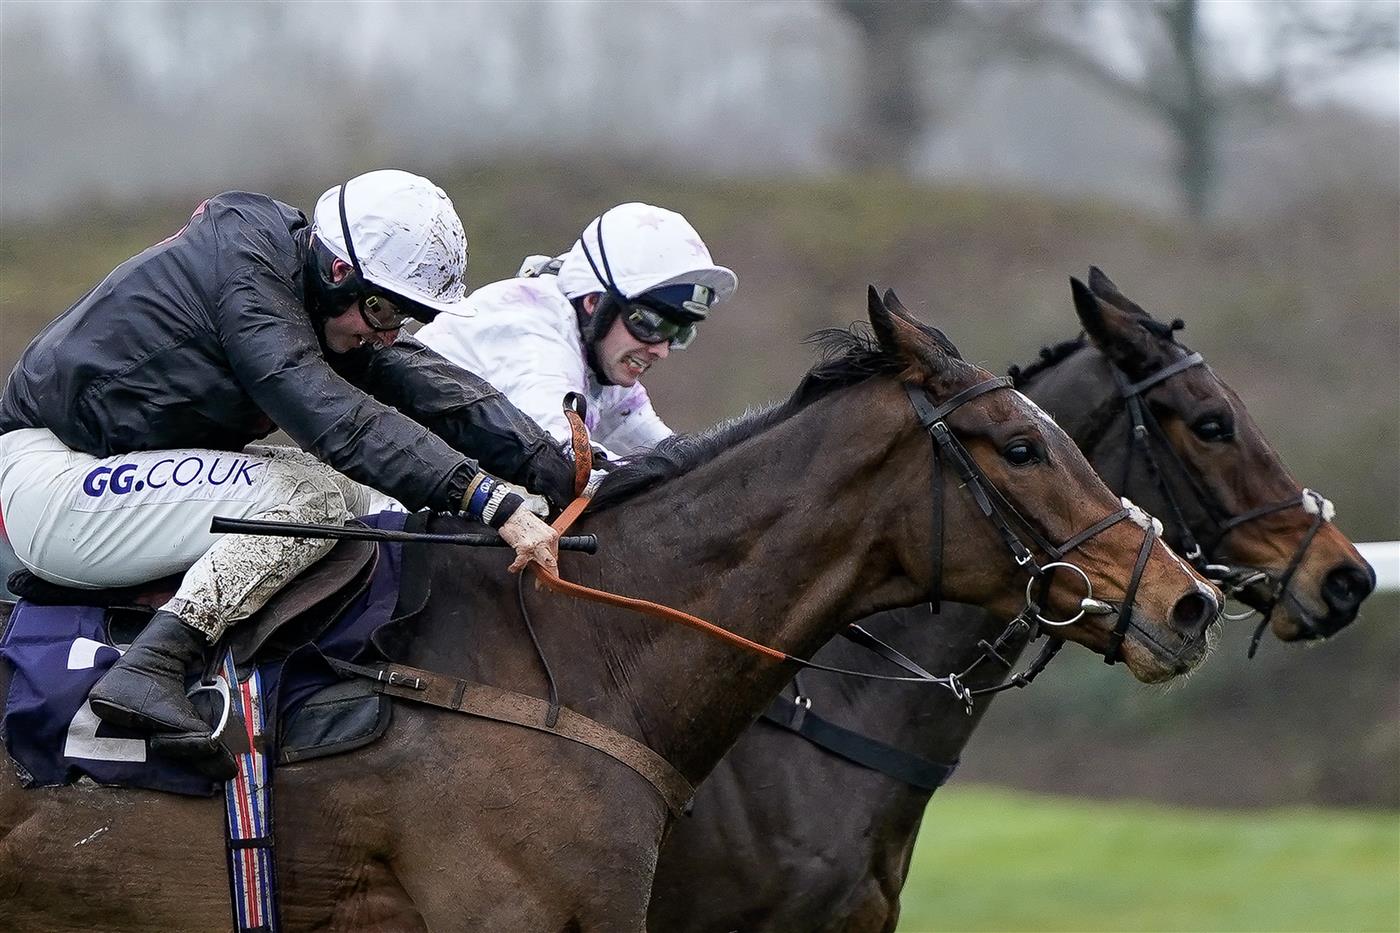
(204,340)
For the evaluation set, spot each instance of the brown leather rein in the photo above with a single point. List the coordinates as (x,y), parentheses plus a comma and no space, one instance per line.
(507,706)
(583,468)
(558,584)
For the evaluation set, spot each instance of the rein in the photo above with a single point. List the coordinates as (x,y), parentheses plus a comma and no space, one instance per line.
(991,503)
(1144,429)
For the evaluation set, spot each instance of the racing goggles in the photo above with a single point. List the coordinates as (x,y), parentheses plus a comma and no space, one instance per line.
(651,326)
(382,314)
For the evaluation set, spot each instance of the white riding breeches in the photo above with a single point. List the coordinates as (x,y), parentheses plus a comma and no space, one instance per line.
(92,522)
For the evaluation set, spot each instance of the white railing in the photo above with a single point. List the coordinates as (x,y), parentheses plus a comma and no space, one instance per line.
(1385,557)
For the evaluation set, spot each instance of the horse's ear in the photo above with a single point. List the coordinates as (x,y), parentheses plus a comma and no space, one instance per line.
(1086,305)
(896,307)
(899,334)
(880,321)
(940,339)
(1102,286)
(1114,330)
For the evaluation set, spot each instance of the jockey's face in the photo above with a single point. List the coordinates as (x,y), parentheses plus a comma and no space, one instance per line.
(623,357)
(349,330)
(352,328)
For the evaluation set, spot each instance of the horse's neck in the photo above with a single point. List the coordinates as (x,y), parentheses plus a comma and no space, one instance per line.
(782,538)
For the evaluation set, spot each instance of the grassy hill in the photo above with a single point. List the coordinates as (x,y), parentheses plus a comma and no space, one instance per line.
(1299,311)
(998,861)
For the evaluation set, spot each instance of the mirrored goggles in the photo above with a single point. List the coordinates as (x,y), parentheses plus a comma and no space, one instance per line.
(380,313)
(651,326)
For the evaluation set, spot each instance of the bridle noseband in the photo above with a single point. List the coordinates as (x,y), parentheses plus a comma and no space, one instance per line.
(1231,580)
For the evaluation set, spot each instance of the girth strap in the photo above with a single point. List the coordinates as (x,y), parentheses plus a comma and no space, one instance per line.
(862,750)
(490,702)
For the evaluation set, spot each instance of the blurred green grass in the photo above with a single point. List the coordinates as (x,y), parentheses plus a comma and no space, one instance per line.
(996,860)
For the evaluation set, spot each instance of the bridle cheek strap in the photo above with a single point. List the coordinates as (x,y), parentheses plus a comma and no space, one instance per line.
(931,419)
(1320,517)
(1144,428)
(1140,436)
(1113,653)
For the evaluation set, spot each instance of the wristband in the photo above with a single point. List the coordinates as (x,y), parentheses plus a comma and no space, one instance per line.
(493,501)
(503,511)
(478,494)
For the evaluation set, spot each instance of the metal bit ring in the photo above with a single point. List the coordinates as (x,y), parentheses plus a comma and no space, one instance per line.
(1088,594)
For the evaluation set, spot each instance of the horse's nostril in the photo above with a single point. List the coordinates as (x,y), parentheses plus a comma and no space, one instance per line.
(1193,612)
(1346,586)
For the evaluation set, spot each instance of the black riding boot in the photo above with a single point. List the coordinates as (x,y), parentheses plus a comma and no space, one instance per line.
(145,690)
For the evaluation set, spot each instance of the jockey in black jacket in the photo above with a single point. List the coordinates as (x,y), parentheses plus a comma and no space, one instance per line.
(125,426)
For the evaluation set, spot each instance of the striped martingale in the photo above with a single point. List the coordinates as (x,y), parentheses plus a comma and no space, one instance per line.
(252,871)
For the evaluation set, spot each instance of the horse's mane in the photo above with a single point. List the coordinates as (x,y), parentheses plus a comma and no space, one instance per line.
(1057,353)
(847,356)
(1049,356)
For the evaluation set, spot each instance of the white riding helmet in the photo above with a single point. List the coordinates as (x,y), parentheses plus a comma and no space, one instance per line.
(646,248)
(405,236)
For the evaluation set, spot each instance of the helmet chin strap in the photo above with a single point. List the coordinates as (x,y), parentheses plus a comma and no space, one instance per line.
(326,298)
(593,327)
(321,296)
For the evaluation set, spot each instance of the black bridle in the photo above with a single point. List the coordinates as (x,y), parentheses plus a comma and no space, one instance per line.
(1002,514)
(1143,430)
(795,715)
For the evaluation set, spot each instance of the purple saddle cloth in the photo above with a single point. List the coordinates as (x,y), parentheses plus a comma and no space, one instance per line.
(56,654)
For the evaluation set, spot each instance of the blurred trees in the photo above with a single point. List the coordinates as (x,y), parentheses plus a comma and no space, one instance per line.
(892,112)
(1126,100)
(1159,55)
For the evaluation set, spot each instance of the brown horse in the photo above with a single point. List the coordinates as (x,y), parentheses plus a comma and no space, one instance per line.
(786,525)
(787,835)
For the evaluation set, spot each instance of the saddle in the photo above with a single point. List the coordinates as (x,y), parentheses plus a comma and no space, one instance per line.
(332,612)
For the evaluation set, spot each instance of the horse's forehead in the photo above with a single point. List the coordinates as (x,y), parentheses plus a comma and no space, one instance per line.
(1038,414)
(1204,385)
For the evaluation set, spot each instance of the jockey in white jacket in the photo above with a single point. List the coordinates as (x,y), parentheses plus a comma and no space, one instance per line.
(631,290)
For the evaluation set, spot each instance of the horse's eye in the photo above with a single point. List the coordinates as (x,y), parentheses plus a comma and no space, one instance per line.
(1213,428)
(1020,453)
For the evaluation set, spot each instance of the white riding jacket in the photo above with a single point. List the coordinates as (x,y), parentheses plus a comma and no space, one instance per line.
(522,336)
